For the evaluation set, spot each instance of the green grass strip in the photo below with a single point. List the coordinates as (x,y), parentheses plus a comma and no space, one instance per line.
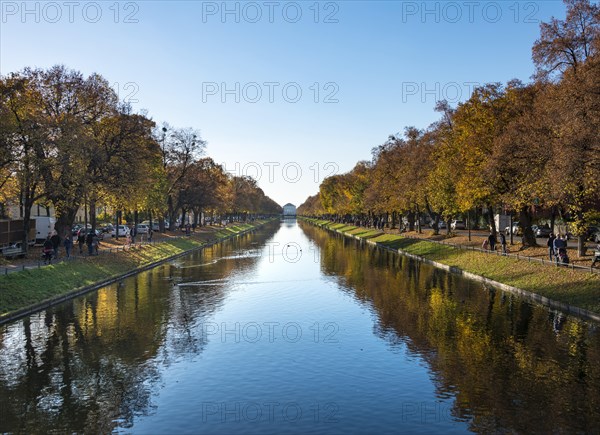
(32,286)
(574,287)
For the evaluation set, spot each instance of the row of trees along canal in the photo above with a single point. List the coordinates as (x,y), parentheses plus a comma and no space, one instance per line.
(521,148)
(67,141)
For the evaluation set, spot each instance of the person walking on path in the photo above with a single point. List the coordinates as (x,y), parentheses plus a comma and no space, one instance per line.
(55,239)
(492,241)
(68,244)
(89,241)
(132,233)
(95,244)
(596,255)
(48,250)
(81,240)
(550,244)
(559,244)
(503,242)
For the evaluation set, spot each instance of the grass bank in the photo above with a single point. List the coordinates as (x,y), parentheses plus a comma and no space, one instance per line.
(573,287)
(20,290)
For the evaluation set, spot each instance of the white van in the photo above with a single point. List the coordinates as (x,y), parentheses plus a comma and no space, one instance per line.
(43,226)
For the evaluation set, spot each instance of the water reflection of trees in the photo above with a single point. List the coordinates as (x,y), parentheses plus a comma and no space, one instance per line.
(93,364)
(510,365)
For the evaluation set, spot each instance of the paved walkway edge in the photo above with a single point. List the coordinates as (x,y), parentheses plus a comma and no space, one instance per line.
(24,312)
(534,297)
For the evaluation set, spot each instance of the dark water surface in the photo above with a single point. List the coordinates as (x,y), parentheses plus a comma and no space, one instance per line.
(256,336)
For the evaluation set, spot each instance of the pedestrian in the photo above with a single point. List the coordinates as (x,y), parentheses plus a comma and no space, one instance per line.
(48,250)
(89,241)
(68,244)
(492,241)
(503,242)
(559,244)
(95,244)
(81,240)
(132,233)
(550,245)
(596,255)
(55,239)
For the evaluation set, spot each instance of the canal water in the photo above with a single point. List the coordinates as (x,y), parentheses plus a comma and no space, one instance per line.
(290,330)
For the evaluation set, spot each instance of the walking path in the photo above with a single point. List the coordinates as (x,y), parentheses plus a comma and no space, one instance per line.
(460,240)
(107,245)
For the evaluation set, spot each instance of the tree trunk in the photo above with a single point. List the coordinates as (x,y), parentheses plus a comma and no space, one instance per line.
(118,222)
(93,213)
(411,221)
(435,224)
(183,215)
(64,220)
(525,221)
(475,225)
(26,226)
(170,213)
(552,219)
(581,246)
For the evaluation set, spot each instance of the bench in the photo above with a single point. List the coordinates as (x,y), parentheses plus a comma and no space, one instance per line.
(15,250)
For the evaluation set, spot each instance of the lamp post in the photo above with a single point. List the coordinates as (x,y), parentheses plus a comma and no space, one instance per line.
(161,222)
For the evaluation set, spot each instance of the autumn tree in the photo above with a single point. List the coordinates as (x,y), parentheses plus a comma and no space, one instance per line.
(19,134)
(180,148)
(206,187)
(564,45)
(568,53)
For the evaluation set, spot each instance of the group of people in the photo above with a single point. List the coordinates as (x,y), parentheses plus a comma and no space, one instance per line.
(490,243)
(90,240)
(53,242)
(51,245)
(557,249)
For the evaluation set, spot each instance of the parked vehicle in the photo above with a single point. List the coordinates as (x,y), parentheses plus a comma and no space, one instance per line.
(43,226)
(107,228)
(143,229)
(543,231)
(155,225)
(458,225)
(12,231)
(516,229)
(593,234)
(98,233)
(123,231)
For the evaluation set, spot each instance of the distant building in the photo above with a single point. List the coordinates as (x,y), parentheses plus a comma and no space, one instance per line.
(289,210)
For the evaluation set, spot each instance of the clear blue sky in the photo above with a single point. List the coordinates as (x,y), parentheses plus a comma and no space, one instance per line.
(378,67)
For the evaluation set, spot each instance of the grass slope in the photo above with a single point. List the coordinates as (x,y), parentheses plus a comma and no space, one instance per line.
(21,289)
(561,284)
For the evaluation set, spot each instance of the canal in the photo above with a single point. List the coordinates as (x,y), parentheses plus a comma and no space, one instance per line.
(291,329)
